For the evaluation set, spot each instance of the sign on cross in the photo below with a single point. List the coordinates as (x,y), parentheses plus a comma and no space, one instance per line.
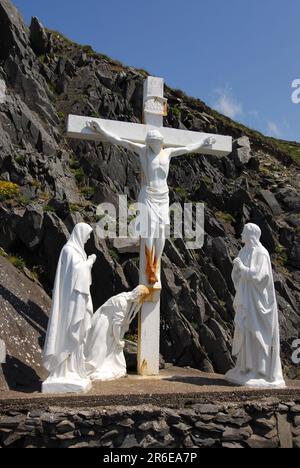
(156,145)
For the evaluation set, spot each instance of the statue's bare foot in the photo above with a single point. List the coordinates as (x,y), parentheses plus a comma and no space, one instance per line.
(151,266)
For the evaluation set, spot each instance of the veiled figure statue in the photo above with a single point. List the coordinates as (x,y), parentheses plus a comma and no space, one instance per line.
(104,349)
(70,318)
(256,342)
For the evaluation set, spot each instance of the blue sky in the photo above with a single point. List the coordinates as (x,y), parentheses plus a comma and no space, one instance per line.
(239,56)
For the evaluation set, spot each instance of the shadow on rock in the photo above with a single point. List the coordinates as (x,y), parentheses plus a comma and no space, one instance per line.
(20,377)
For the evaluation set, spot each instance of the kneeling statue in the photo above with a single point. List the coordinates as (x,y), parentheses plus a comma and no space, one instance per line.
(105,343)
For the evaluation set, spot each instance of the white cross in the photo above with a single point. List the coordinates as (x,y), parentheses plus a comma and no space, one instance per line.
(155,108)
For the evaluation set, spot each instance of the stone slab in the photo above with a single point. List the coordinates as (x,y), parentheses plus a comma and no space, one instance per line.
(176,387)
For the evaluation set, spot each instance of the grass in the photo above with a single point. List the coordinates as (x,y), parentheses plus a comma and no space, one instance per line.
(281,257)
(49,209)
(21,159)
(209,181)
(88,192)
(17,262)
(114,255)
(288,147)
(76,208)
(226,217)
(132,338)
(79,174)
(61,115)
(183,194)
(176,112)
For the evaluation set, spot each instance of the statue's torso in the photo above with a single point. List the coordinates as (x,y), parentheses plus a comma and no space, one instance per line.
(155,168)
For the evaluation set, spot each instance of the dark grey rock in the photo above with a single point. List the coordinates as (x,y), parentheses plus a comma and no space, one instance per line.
(296,442)
(13,32)
(271,201)
(236,435)
(210,428)
(206,409)
(30,228)
(181,428)
(257,442)
(129,442)
(39,39)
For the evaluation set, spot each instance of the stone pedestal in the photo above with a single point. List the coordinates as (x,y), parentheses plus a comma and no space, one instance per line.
(56,386)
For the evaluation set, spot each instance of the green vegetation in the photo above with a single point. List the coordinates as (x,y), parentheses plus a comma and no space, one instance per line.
(61,115)
(24,200)
(281,257)
(52,88)
(79,174)
(76,208)
(77,170)
(114,255)
(49,209)
(88,192)
(225,217)
(131,337)
(3,253)
(17,262)
(182,192)
(288,147)
(20,159)
(176,112)
(208,180)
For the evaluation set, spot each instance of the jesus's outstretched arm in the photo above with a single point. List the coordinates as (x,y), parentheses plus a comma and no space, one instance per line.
(114,139)
(204,143)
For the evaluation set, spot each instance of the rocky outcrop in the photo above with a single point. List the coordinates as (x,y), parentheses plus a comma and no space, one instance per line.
(24,309)
(61,182)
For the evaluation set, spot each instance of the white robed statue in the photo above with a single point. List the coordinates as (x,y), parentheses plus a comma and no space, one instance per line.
(70,317)
(104,349)
(256,341)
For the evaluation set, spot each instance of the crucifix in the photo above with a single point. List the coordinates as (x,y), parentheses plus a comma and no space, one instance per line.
(155,145)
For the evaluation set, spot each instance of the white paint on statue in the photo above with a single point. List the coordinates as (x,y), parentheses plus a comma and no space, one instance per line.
(256,341)
(155,145)
(104,349)
(70,318)
(154,194)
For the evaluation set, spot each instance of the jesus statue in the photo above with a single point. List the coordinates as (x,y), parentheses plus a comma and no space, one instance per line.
(154,194)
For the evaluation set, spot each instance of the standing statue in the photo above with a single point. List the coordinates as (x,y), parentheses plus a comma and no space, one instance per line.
(70,318)
(256,341)
(104,349)
(154,195)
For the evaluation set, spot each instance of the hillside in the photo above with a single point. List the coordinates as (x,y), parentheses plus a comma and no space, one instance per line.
(58,182)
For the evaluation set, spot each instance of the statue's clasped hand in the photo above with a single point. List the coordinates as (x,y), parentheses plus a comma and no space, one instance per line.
(243,269)
(92,259)
(92,125)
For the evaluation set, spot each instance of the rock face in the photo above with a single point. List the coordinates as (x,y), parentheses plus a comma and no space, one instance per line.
(61,182)
(24,308)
